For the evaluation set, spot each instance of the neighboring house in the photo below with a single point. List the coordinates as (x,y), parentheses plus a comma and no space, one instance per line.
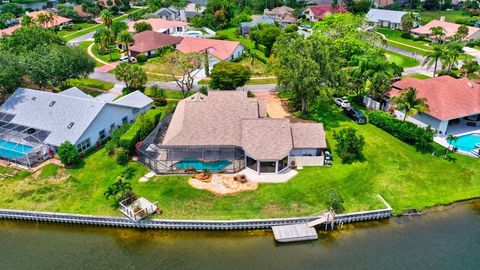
(148,42)
(450,29)
(171,13)
(162,26)
(454,104)
(195,7)
(56,22)
(81,13)
(8,31)
(38,120)
(318,12)
(246,27)
(386,18)
(282,15)
(386,3)
(227,131)
(219,50)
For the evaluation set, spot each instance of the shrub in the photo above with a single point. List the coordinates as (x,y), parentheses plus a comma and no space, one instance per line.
(349,145)
(405,131)
(250,94)
(334,201)
(204,90)
(122,156)
(160,102)
(115,138)
(68,153)
(406,35)
(144,124)
(142,58)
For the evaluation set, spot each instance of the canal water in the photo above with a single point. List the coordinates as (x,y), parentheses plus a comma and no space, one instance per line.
(444,238)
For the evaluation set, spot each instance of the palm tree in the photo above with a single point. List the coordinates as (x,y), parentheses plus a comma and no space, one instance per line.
(27,20)
(450,139)
(462,32)
(104,39)
(451,54)
(432,58)
(125,38)
(409,102)
(437,32)
(107,17)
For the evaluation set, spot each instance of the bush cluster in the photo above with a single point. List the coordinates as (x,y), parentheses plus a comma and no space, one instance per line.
(142,58)
(114,141)
(408,132)
(144,124)
(68,153)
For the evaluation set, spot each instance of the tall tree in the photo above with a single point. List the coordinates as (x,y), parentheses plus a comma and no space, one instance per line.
(437,33)
(183,68)
(409,103)
(118,26)
(142,26)
(462,32)
(125,38)
(104,39)
(133,75)
(407,22)
(11,72)
(433,57)
(107,17)
(451,53)
(229,76)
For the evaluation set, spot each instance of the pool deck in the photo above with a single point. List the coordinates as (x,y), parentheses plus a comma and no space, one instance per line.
(457,130)
(280,177)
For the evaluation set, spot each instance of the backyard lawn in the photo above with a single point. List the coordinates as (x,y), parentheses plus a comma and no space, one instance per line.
(417,76)
(230,34)
(401,60)
(79,26)
(395,39)
(450,16)
(90,86)
(404,177)
(84,46)
(115,54)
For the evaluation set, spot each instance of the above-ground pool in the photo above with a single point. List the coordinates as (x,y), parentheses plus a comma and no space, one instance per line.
(13,150)
(467,142)
(214,166)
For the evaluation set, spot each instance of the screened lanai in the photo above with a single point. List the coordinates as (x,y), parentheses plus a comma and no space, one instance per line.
(20,144)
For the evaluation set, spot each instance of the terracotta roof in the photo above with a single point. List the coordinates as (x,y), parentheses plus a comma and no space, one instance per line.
(308,135)
(449,28)
(81,12)
(447,98)
(267,138)
(57,20)
(279,10)
(149,40)
(320,11)
(222,49)
(158,25)
(8,31)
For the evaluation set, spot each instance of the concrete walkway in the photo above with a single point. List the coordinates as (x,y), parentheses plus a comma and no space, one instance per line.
(281,177)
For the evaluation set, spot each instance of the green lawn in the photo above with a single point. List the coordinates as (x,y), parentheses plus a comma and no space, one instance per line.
(420,47)
(450,16)
(84,46)
(417,76)
(82,26)
(401,60)
(230,33)
(90,86)
(262,81)
(115,54)
(404,177)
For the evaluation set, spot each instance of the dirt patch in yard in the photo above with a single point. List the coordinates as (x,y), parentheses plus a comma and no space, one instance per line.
(275,107)
(222,184)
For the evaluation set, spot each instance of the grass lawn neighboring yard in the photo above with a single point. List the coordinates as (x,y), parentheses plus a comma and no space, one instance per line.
(401,60)
(81,26)
(262,81)
(420,47)
(417,76)
(115,55)
(450,16)
(230,34)
(90,86)
(404,177)
(84,46)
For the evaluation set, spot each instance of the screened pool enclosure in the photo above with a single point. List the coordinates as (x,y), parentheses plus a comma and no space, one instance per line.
(185,159)
(21,144)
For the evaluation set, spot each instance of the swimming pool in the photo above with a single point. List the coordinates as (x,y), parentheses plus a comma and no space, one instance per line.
(13,150)
(467,142)
(214,166)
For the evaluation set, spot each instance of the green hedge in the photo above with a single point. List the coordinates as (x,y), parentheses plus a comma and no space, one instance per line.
(140,129)
(115,138)
(405,131)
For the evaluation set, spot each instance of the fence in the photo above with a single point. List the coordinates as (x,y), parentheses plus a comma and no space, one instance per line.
(371,104)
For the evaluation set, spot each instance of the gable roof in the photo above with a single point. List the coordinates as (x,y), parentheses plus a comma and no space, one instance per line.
(279,10)
(135,99)
(447,98)
(449,28)
(222,49)
(81,13)
(308,135)
(57,19)
(8,31)
(202,3)
(377,15)
(158,25)
(75,92)
(260,19)
(150,40)
(320,11)
(54,112)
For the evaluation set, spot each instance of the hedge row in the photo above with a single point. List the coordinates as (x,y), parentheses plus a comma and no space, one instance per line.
(115,137)
(140,129)
(405,131)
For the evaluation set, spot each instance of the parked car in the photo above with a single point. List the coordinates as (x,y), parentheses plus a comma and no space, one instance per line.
(356,115)
(328,158)
(126,59)
(342,102)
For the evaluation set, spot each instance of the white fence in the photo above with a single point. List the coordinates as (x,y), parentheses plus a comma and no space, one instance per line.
(371,104)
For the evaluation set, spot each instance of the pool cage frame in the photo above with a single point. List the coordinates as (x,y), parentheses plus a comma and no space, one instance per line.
(162,159)
(22,136)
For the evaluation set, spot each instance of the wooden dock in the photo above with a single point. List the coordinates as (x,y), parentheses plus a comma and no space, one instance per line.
(295,232)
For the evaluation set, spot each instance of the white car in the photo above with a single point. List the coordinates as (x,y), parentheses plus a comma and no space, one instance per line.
(127,59)
(342,102)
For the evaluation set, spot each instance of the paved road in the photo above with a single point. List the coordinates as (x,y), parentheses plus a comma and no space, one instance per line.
(82,38)
(104,76)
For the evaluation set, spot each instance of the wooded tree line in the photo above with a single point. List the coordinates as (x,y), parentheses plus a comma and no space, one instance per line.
(37,55)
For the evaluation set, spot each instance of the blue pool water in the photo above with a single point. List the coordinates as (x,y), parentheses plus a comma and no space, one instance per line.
(467,142)
(13,150)
(199,165)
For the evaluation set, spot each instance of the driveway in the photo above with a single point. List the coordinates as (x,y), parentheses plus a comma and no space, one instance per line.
(274,104)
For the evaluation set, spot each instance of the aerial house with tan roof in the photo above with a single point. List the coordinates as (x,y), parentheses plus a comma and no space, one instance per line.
(228,132)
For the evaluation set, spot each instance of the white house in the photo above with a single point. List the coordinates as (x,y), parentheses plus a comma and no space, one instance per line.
(52,118)
(386,18)
(162,26)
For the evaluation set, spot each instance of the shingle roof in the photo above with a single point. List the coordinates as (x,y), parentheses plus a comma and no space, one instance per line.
(8,31)
(308,135)
(320,11)
(75,92)
(376,15)
(450,29)
(447,98)
(261,19)
(149,40)
(158,25)
(222,49)
(268,138)
(135,100)
(55,111)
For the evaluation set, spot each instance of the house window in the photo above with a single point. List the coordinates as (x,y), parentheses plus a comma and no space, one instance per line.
(179,29)
(84,145)
(101,134)
(268,166)
(282,164)
(112,126)
(125,120)
(135,110)
(252,163)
